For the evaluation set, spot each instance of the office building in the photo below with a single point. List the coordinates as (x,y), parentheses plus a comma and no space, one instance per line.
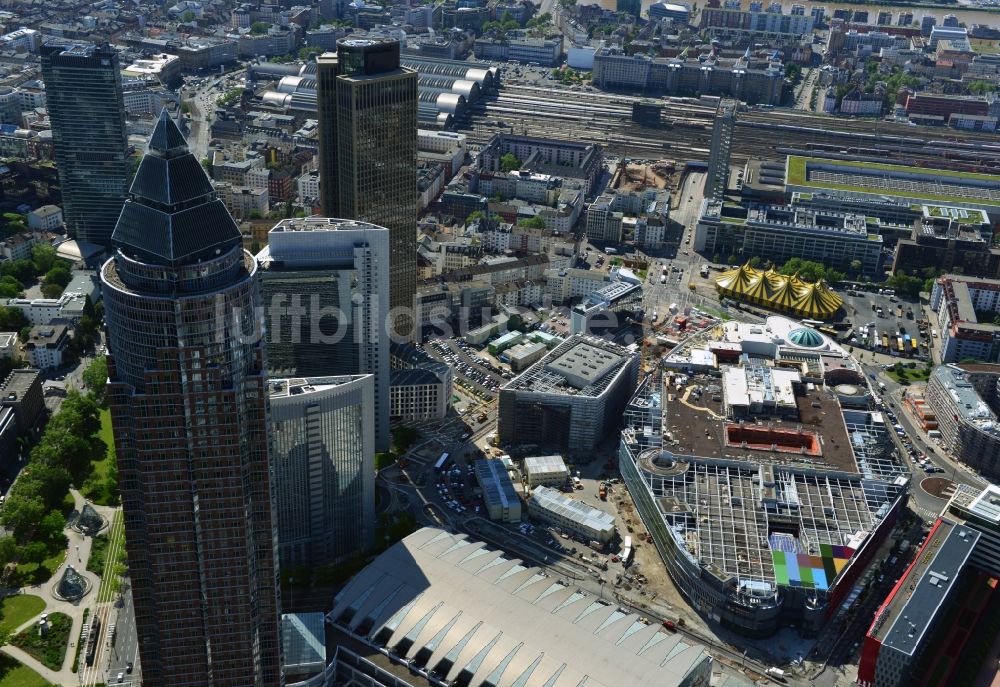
(323,452)
(571,398)
(83,89)
(419,394)
(959,301)
(367,109)
(585,523)
(749,78)
(325,285)
(188,396)
(964,399)
(900,635)
(717,178)
(499,496)
(953,575)
(512,625)
(980,510)
(781,232)
(45,345)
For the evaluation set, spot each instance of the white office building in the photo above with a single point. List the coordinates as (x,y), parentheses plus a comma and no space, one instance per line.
(323,453)
(325,284)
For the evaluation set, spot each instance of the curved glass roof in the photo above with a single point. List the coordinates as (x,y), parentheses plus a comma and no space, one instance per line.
(806,338)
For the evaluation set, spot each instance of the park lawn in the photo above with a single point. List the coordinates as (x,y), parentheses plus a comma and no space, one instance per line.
(18,609)
(14,674)
(910,374)
(107,434)
(95,489)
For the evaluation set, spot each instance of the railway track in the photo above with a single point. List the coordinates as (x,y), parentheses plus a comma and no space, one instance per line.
(605,118)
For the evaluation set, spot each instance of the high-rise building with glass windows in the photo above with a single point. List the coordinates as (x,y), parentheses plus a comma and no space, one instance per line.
(325,284)
(323,450)
(367,110)
(188,396)
(83,91)
(717,178)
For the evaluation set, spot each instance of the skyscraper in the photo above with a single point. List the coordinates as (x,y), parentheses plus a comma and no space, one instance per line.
(718,155)
(326,294)
(368,144)
(189,409)
(83,91)
(324,467)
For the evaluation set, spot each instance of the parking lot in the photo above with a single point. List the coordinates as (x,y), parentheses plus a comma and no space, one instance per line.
(873,314)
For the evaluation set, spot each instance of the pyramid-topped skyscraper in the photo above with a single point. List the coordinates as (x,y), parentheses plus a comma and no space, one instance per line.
(189,409)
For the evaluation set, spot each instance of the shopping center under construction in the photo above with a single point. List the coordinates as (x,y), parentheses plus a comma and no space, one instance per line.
(765,485)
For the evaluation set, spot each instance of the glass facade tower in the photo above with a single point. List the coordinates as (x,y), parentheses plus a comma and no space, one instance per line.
(325,284)
(83,91)
(367,109)
(189,407)
(324,467)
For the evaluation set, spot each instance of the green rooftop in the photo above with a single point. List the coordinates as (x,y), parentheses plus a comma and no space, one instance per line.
(796,175)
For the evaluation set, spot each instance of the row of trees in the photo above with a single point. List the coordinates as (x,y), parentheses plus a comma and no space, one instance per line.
(36,507)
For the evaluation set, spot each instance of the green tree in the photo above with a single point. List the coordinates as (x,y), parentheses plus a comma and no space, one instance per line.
(308,52)
(905,284)
(856,266)
(12,319)
(51,290)
(10,287)
(207,164)
(21,513)
(34,552)
(259,28)
(96,376)
(22,270)
(534,222)
(50,529)
(59,274)
(510,162)
(44,257)
(187,17)
(8,550)
(980,87)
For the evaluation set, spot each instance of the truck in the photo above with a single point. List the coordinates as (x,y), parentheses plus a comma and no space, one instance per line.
(663,279)
(576,483)
(603,493)
(704,270)
(481,417)
(775,672)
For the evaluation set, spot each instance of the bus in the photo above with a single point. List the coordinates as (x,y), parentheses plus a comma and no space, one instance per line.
(899,344)
(885,341)
(441,462)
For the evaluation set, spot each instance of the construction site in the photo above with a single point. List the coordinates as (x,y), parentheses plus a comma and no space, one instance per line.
(764,497)
(639,176)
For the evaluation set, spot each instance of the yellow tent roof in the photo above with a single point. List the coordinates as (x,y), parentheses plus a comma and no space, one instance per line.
(737,280)
(779,292)
(819,301)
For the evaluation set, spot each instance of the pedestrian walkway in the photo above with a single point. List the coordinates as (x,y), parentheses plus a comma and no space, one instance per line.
(78,550)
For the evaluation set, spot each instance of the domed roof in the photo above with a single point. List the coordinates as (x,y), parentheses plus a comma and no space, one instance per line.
(803,337)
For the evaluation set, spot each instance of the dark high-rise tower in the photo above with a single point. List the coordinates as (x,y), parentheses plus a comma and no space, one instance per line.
(368,146)
(189,408)
(83,92)
(718,156)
